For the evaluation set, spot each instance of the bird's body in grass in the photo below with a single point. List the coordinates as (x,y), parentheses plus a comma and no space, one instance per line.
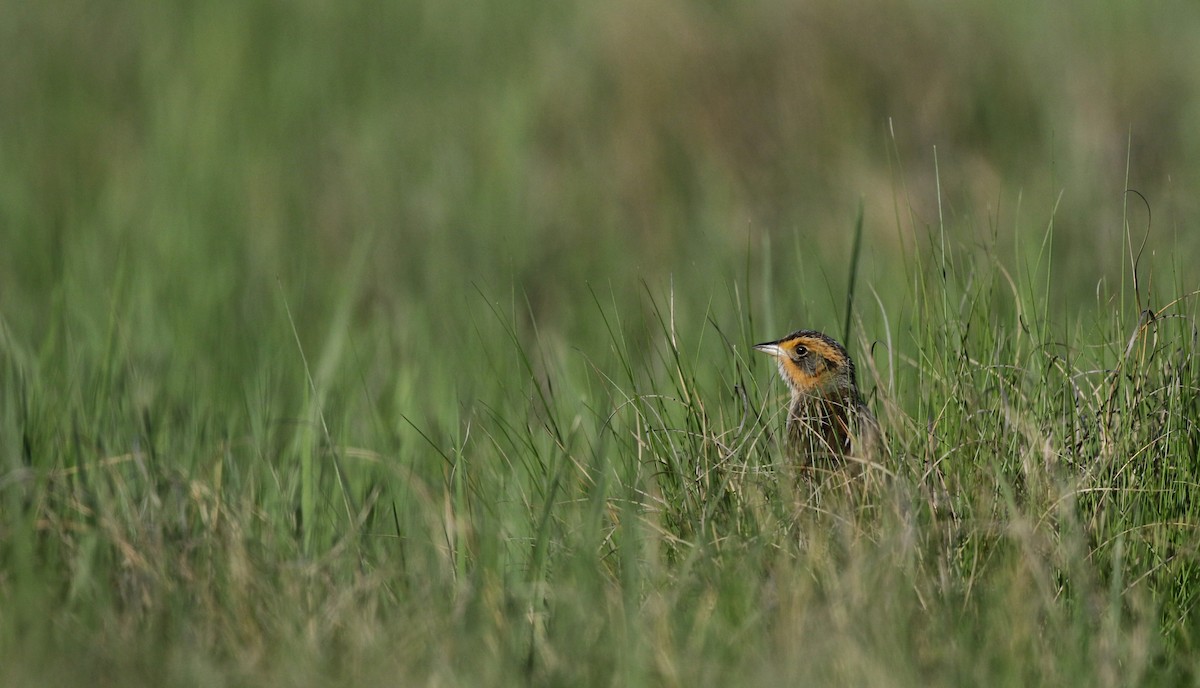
(828,422)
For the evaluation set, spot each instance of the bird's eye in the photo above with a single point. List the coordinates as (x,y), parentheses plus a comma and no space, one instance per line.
(801,351)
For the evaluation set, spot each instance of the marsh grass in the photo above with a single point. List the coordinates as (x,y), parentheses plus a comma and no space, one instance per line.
(617,518)
(339,352)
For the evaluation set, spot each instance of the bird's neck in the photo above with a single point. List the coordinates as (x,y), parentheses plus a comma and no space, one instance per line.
(840,396)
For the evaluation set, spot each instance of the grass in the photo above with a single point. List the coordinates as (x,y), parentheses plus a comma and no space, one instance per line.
(613,517)
(335,351)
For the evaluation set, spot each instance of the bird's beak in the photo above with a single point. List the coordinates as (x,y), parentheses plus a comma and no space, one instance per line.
(770,348)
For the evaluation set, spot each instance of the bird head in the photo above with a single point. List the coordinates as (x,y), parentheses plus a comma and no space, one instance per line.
(812,364)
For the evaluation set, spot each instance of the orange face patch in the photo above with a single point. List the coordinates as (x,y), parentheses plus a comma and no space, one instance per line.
(800,377)
(815,371)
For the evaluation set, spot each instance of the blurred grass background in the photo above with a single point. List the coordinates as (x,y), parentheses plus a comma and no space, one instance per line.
(480,222)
